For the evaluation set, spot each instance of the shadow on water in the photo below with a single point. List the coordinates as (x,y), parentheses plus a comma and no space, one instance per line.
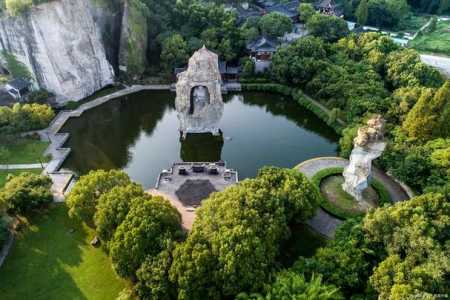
(285,106)
(201,147)
(102,137)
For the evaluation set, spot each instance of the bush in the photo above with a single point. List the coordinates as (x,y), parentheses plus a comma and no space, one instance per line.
(40,96)
(16,7)
(26,191)
(384,197)
(24,117)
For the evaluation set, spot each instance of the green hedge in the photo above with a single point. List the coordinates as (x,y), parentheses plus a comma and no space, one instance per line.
(298,96)
(267,87)
(331,208)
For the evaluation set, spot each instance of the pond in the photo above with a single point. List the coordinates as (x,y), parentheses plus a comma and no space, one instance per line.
(139,134)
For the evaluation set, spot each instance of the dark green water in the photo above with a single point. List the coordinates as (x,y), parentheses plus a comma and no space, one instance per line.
(139,133)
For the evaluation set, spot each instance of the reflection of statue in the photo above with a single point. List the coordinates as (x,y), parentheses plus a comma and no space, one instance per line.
(369,145)
(199,97)
(201,147)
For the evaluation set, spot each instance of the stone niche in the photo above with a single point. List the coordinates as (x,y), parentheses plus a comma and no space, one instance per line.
(199,101)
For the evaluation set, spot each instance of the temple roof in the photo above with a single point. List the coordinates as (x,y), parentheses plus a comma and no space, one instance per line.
(263,44)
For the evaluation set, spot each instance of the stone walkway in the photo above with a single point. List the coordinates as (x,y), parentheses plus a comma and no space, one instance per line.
(22,166)
(324,222)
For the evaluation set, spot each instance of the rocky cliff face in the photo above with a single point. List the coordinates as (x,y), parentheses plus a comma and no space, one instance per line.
(61,45)
(133,38)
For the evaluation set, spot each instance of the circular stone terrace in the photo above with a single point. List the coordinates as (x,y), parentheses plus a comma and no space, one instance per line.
(325,223)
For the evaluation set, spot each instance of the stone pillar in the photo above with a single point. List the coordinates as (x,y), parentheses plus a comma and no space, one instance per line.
(368,145)
(199,96)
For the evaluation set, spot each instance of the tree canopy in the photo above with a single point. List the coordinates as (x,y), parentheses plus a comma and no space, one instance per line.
(83,198)
(25,192)
(236,235)
(148,229)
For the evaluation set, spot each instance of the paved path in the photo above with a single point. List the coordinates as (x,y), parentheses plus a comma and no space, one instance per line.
(324,222)
(440,62)
(22,166)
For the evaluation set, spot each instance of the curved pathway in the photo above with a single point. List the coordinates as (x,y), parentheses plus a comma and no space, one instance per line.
(325,223)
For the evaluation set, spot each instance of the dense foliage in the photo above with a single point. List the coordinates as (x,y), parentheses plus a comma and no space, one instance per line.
(25,192)
(113,207)
(149,228)
(394,252)
(390,13)
(82,200)
(361,75)
(24,117)
(237,233)
(137,230)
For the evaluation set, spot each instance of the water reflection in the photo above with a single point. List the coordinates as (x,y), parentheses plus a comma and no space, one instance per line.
(204,147)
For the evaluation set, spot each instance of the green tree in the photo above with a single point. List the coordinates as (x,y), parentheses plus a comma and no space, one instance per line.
(298,62)
(329,28)
(275,24)
(346,141)
(345,262)
(404,68)
(433,24)
(174,52)
(415,236)
(24,117)
(153,278)
(82,200)
(429,116)
(291,285)
(362,12)
(26,191)
(248,68)
(16,7)
(149,228)
(237,233)
(306,11)
(113,207)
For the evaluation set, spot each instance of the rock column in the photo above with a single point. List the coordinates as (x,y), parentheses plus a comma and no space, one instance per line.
(368,145)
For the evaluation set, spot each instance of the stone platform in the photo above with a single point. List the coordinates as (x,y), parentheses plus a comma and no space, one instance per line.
(186,184)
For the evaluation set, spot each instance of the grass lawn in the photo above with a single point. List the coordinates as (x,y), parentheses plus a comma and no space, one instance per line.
(48,261)
(414,23)
(5,173)
(434,42)
(26,151)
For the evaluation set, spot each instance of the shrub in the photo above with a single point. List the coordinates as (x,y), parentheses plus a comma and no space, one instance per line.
(383,194)
(16,7)
(24,117)
(26,191)
(39,96)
